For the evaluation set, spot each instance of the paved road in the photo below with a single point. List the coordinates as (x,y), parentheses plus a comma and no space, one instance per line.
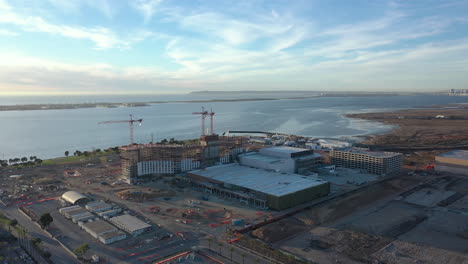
(59,254)
(238,255)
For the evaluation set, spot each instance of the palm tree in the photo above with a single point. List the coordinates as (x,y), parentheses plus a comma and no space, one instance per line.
(24,159)
(209,242)
(66,153)
(231,249)
(220,245)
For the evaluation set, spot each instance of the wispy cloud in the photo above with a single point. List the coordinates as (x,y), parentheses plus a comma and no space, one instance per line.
(146,7)
(102,37)
(106,7)
(264,45)
(6,32)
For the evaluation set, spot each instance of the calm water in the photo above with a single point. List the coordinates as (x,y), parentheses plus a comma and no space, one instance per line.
(50,133)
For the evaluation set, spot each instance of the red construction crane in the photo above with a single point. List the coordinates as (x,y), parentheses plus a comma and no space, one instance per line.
(130,122)
(203,114)
(211,114)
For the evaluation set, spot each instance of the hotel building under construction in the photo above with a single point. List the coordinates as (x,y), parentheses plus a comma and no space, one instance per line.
(141,162)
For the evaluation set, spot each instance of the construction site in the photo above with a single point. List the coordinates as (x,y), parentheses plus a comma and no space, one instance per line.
(173,202)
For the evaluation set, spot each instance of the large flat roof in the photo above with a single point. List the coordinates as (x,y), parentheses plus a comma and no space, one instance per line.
(99,226)
(455,154)
(112,234)
(268,182)
(130,222)
(259,156)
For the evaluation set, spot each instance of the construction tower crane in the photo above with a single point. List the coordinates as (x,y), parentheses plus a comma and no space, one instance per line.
(130,122)
(203,114)
(211,114)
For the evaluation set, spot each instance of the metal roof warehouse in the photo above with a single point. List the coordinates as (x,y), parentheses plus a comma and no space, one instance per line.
(273,184)
(130,224)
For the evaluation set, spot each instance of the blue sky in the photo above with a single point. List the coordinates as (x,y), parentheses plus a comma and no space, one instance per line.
(176,46)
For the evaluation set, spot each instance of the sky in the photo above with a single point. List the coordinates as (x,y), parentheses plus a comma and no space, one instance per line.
(178,46)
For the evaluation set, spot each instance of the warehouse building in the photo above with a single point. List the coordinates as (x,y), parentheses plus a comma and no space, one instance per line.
(98,227)
(73,197)
(98,206)
(376,162)
(254,186)
(112,237)
(130,224)
(282,159)
(455,161)
(110,212)
(76,213)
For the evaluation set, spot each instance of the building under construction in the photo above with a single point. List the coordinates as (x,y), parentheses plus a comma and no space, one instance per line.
(141,162)
(258,187)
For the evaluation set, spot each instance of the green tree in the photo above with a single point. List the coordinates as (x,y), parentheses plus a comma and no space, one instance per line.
(39,161)
(81,249)
(98,150)
(45,220)
(24,159)
(36,241)
(66,153)
(12,222)
(243,255)
(46,254)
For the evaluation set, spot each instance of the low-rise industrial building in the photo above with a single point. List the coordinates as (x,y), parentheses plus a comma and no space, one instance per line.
(112,237)
(98,228)
(376,162)
(76,213)
(110,213)
(74,197)
(130,224)
(259,187)
(282,159)
(98,206)
(455,161)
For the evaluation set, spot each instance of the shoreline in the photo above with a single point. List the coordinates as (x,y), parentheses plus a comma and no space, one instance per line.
(66,106)
(33,107)
(419,129)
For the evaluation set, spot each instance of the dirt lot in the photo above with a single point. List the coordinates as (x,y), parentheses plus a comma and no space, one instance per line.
(387,224)
(421,128)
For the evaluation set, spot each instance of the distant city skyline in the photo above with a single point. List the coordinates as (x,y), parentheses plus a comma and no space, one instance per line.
(169,46)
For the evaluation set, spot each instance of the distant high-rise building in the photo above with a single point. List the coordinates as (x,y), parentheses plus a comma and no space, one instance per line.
(458,92)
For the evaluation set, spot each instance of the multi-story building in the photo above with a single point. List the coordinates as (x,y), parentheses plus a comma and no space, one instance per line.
(282,159)
(141,162)
(376,162)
